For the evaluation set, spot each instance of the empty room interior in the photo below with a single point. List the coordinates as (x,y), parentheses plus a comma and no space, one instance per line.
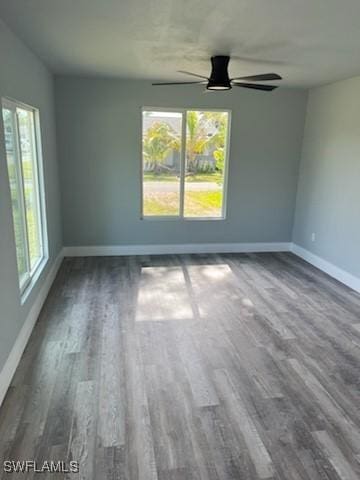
(180,240)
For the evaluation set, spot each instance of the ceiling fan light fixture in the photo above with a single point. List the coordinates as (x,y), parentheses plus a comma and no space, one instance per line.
(218,87)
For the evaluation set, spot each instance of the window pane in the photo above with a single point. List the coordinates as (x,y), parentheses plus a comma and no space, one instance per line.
(29,169)
(161,151)
(206,137)
(10,144)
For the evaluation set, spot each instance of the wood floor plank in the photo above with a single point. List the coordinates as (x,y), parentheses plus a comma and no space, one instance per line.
(329,405)
(111,417)
(335,456)
(257,450)
(83,429)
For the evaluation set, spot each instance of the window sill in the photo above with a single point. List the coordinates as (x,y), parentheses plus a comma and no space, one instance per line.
(34,278)
(182,219)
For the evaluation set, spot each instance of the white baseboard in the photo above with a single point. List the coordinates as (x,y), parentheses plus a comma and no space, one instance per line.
(16,352)
(119,250)
(189,248)
(341,275)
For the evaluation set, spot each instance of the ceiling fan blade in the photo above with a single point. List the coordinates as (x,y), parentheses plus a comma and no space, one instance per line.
(255,86)
(193,74)
(260,78)
(179,83)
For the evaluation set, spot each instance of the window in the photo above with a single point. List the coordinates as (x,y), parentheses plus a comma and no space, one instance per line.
(184,163)
(24,170)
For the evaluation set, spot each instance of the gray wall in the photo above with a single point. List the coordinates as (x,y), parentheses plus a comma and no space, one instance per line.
(328,199)
(99,151)
(23,77)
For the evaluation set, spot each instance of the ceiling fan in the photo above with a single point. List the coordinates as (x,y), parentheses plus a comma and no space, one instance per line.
(219,78)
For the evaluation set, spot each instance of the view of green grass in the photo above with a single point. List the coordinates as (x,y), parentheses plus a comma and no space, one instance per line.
(32,231)
(197,204)
(203,204)
(31,212)
(31,222)
(20,253)
(163,203)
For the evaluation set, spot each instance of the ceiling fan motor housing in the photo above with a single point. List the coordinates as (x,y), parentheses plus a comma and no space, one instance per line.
(219,78)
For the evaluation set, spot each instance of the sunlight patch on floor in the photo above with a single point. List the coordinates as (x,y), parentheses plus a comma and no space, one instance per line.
(182,293)
(163,295)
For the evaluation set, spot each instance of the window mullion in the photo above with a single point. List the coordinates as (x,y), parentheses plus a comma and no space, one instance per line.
(22,193)
(182,163)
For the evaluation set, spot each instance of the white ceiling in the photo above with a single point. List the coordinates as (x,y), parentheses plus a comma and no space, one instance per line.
(309,42)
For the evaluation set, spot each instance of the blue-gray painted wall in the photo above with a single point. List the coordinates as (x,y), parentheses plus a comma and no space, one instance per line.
(328,199)
(99,147)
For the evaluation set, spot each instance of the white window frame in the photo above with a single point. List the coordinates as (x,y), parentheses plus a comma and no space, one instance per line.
(181,216)
(32,273)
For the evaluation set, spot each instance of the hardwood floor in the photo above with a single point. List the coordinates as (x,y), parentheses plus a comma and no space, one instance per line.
(190,368)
